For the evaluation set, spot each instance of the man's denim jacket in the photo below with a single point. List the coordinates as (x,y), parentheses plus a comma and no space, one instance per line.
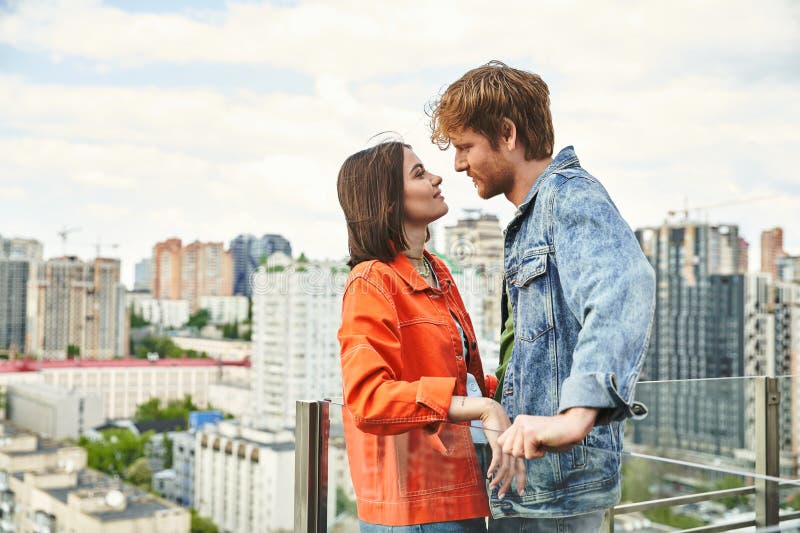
(583,296)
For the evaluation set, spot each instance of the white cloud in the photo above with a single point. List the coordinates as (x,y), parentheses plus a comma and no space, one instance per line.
(662,101)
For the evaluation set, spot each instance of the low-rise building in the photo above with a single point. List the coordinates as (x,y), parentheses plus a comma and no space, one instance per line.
(53,412)
(225,309)
(222,349)
(123,384)
(161,312)
(47,487)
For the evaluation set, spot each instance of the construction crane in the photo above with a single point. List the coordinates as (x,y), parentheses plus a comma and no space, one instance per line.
(686,210)
(99,245)
(63,234)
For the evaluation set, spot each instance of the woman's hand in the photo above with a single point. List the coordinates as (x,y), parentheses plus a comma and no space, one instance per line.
(503,468)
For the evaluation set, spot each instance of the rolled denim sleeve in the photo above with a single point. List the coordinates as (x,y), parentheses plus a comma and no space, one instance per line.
(609,286)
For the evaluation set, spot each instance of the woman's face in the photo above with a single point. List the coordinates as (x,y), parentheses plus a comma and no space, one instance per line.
(422,199)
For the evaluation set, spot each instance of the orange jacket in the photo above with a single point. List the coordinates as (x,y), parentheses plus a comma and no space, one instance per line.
(402,362)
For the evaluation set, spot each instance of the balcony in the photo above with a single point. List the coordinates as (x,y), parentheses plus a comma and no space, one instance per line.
(711,456)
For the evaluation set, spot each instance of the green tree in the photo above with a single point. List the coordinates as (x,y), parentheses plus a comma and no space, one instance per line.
(730,482)
(139,473)
(137,320)
(153,410)
(73,351)
(248,334)
(345,505)
(168,443)
(665,515)
(231,331)
(201,524)
(163,346)
(199,319)
(115,450)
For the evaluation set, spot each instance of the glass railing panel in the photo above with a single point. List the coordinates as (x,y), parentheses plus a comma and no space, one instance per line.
(705,422)
(342,497)
(396,462)
(788,437)
(646,480)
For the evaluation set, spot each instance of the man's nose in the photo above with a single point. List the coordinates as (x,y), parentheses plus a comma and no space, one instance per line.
(460,163)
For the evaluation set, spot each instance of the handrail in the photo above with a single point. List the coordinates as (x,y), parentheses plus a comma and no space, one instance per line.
(682,500)
(312,450)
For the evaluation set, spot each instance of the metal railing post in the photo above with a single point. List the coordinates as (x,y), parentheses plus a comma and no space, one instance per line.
(610,521)
(767,450)
(311,467)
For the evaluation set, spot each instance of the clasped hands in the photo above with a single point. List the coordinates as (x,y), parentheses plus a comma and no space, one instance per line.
(531,437)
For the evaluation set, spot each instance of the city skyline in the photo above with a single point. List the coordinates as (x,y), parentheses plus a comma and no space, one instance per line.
(139,122)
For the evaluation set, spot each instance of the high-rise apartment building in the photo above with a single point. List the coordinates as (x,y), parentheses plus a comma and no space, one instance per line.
(167,269)
(143,275)
(744,256)
(710,323)
(697,333)
(476,242)
(192,271)
(248,253)
(788,268)
(296,314)
(20,260)
(81,309)
(771,250)
(14,276)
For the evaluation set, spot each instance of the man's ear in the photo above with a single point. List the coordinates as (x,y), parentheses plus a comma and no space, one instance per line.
(508,134)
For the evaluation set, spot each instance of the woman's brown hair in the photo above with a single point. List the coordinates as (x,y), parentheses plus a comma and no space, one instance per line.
(370,187)
(486,95)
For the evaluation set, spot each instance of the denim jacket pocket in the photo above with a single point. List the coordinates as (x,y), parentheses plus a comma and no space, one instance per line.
(532,318)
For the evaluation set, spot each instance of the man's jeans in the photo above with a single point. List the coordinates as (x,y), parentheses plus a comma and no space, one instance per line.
(584,523)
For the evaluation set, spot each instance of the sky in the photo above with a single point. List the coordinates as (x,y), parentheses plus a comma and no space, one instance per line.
(143,120)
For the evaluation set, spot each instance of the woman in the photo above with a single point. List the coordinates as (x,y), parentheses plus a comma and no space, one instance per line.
(408,354)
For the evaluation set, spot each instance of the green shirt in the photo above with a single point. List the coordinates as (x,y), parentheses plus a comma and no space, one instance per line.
(506,346)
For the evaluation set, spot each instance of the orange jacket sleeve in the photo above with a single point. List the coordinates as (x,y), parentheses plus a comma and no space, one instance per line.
(372,363)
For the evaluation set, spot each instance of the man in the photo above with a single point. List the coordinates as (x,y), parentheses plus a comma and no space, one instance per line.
(581,295)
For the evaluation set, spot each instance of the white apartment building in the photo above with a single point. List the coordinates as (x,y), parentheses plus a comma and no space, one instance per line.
(235,398)
(125,383)
(161,312)
(222,349)
(296,315)
(244,478)
(225,309)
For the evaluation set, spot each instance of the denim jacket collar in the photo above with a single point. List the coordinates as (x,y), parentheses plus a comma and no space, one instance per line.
(564,159)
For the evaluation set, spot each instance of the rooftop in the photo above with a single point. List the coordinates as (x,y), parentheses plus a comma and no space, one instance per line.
(32,365)
(138,502)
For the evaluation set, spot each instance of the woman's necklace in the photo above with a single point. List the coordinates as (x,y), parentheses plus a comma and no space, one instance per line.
(420,265)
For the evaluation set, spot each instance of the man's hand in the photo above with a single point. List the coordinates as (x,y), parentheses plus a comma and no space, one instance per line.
(531,436)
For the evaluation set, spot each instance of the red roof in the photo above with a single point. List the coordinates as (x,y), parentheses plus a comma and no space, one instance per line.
(33,365)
